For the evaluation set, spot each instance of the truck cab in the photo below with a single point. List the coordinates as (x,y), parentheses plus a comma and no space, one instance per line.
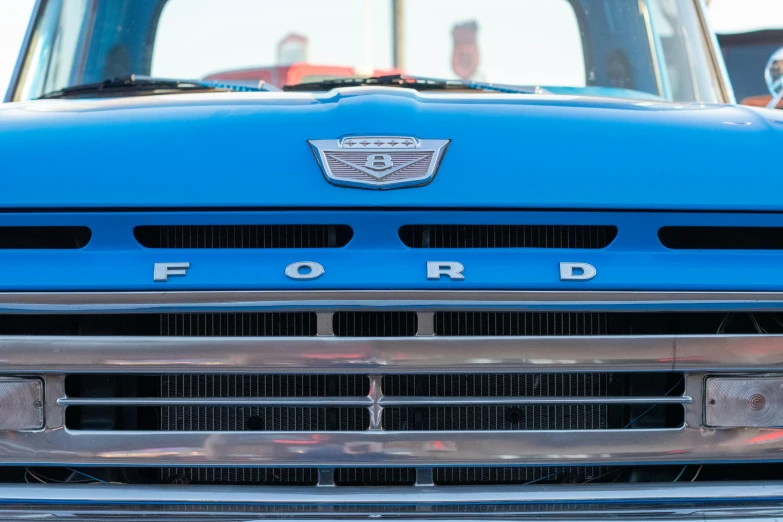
(501,260)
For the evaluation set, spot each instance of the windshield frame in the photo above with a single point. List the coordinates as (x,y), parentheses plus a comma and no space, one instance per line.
(716,63)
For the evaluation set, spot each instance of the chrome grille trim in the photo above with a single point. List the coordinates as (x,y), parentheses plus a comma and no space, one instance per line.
(514,401)
(419,300)
(65,355)
(377,448)
(677,493)
(243,401)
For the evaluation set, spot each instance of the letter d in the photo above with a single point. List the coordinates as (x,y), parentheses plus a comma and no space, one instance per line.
(577,272)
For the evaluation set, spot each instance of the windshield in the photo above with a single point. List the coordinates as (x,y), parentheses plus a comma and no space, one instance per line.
(653,49)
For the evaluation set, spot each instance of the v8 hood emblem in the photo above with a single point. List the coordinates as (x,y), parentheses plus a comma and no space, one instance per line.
(379,162)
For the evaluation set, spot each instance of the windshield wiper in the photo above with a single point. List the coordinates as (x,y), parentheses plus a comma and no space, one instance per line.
(418,83)
(146,84)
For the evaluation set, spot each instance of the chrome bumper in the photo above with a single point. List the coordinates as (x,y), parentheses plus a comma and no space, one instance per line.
(648,502)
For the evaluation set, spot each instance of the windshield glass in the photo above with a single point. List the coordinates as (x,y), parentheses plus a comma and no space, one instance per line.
(652,49)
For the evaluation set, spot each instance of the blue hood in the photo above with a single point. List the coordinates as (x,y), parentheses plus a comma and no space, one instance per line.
(512,151)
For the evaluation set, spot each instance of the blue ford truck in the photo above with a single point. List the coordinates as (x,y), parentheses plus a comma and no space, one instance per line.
(531,272)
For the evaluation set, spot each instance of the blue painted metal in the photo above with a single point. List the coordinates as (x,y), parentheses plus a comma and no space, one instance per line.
(508,151)
(377,259)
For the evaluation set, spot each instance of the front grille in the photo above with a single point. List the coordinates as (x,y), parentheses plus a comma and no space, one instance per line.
(386,394)
(722,238)
(497,398)
(244,236)
(507,236)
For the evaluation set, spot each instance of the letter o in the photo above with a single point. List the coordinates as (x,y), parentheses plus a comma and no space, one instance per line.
(313,270)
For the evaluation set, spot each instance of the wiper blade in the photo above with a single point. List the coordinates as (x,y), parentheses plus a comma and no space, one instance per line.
(135,83)
(418,83)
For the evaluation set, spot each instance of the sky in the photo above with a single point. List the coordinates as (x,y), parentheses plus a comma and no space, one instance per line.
(726,15)
(196,38)
(14,15)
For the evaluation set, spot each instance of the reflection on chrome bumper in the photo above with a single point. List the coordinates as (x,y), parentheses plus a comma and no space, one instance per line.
(638,502)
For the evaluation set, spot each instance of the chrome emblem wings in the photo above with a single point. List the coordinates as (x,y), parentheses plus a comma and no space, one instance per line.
(379,162)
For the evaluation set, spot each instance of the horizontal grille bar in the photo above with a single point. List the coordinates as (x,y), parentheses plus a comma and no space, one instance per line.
(41,355)
(592,497)
(365,401)
(391,448)
(423,300)
(521,401)
(229,401)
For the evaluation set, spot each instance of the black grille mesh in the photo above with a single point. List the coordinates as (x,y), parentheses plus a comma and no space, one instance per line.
(499,385)
(722,238)
(265,476)
(244,236)
(235,418)
(499,418)
(232,418)
(36,238)
(199,418)
(239,324)
(250,385)
(520,323)
(375,476)
(375,324)
(568,475)
(507,236)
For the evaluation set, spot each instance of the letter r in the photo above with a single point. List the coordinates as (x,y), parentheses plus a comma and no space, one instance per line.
(436,269)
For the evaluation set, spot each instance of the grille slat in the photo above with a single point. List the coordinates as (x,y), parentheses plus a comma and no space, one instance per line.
(244,236)
(508,236)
